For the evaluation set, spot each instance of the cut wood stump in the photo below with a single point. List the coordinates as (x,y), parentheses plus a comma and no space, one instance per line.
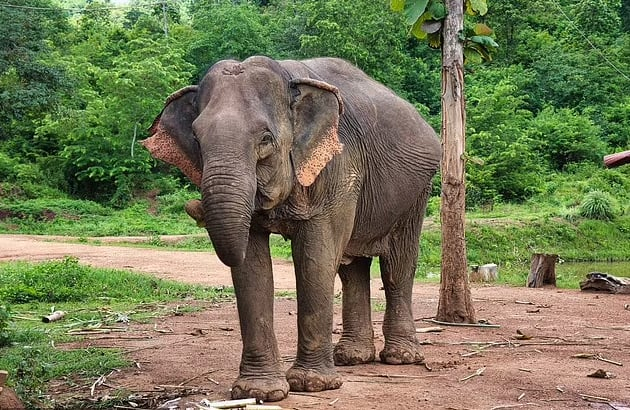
(543,270)
(603,282)
(616,160)
(484,273)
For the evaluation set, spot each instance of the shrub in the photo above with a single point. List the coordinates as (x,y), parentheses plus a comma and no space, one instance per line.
(5,318)
(598,205)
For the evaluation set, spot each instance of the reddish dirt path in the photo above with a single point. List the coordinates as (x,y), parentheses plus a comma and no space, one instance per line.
(201,350)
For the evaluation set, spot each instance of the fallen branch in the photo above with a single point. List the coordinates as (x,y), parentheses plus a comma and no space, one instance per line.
(597,356)
(231,404)
(196,377)
(511,406)
(429,329)
(439,322)
(626,328)
(479,372)
(394,376)
(100,380)
(596,399)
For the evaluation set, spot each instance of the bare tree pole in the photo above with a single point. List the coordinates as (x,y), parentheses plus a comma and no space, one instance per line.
(455,304)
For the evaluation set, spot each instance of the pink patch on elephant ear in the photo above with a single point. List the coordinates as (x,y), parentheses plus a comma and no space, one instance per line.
(325,150)
(162,146)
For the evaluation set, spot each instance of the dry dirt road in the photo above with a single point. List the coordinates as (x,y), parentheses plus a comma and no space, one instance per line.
(196,356)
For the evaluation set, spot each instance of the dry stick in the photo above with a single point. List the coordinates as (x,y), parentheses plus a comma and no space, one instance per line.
(100,380)
(603,359)
(158,346)
(120,337)
(599,399)
(511,406)
(180,387)
(196,377)
(626,328)
(381,381)
(439,322)
(479,372)
(394,376)
(232,404)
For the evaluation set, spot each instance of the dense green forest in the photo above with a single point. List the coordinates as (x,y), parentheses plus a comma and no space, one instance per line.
(82,80)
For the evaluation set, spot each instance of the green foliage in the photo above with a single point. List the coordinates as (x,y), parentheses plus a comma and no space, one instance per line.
(564,137)
(5,321)
(90,297)
(426,17)
(598,205)
(77,91)
(497,124)
(30,83)
(227,30)
(66,280)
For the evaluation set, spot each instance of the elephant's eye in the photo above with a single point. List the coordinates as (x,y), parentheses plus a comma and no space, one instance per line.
(267,138)
(267,145)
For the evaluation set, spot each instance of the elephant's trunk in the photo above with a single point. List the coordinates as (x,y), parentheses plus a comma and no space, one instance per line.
(228,201)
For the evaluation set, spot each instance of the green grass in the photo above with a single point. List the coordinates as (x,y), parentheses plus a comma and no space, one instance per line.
(85,218)
(92,298)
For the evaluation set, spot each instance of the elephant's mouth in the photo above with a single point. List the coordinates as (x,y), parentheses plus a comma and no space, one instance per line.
(264,201)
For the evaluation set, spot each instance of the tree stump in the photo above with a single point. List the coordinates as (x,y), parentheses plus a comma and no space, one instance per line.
(484,273)
(543,270)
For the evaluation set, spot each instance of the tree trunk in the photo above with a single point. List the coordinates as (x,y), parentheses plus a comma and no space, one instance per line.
(542,271)
(455,304)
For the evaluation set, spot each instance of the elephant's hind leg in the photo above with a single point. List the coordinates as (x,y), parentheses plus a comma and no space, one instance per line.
(398,269)
(356,345)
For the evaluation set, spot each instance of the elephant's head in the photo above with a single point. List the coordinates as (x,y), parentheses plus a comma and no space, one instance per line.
(246,134)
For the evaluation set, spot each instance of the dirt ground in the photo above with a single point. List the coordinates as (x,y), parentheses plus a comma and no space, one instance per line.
(195,356)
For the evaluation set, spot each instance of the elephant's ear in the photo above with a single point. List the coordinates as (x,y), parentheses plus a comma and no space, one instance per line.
(171,136)
(316,107)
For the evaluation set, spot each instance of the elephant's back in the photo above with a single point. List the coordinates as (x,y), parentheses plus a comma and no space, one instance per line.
(375,113)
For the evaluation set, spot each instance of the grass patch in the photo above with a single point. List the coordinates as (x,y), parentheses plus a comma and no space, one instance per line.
(82,218)
(92,298)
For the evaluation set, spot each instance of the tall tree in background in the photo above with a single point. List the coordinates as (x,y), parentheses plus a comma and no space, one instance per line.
(442,24)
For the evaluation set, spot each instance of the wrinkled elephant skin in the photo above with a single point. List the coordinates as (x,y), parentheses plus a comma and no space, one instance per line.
(317,151)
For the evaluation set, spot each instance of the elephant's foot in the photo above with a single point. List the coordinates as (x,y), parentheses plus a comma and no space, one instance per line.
(405,351)
(312,380)
(262,388)
(350,353)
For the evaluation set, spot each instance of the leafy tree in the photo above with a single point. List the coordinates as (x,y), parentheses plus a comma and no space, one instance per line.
(99,158)
(30,84)
(226,30)
(563,137)
(498,120)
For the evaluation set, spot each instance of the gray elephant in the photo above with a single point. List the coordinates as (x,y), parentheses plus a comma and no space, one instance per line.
(320,153)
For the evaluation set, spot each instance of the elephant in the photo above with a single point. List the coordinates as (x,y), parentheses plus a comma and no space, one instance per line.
(337,163)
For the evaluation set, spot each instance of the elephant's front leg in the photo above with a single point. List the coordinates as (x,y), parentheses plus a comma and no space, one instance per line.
(261,375)
(316,256)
